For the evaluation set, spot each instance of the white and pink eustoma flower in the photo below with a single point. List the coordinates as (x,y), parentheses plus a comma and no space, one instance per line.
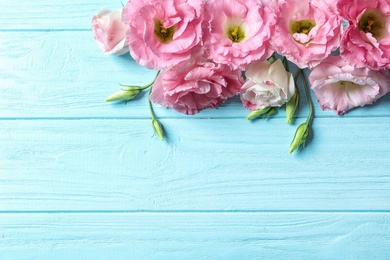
(163,33)
(307,31)
(110,32)
(366,42)
(267,85)
(196,84)
(340,87)
(237,32)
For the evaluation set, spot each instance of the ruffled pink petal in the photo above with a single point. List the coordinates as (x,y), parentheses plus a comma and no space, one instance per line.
(253,17)
(196,84)
(185,16)
(347,87)
(307,50)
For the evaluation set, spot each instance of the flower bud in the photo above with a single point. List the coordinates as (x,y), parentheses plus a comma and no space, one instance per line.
(258,112)
(158,129)
(291,107)
(270,112)
(300,137)
(124,94)
(110,32)
(271,59)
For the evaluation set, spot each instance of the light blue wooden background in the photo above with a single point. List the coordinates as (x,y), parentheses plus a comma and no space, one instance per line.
(83,179)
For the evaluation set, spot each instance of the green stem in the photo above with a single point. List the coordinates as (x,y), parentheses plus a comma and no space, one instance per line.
(150,106)
(151,83)
(285,62)
(150,91)
(296,81)
(157,127)
(146,86)
(308,96)
(272,58)
(296,76)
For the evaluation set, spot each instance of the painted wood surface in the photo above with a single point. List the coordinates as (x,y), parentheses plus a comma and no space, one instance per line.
(215,235)
(83,179)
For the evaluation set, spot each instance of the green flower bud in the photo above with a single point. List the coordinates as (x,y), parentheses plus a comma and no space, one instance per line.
(271,59)
(271,112)
(124,94)
(256,113)
(300,136)
(291,106)
(158,128)
(131,88)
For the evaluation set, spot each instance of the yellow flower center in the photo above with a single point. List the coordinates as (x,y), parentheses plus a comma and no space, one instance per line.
(374,22)
(235,33)
(164,35)
(302,26)
(348,85)
(342,82)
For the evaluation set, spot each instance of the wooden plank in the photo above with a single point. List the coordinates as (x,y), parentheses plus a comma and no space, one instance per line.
(196,236)
(66,71)
(51,14)
(56,71)
(203,165)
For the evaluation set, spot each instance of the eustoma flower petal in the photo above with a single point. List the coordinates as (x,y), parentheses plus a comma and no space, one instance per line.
(194,85)
(110,32)
(163,33)
(341,87)
(307,31)
(366,42)
(267,85)
(237,32)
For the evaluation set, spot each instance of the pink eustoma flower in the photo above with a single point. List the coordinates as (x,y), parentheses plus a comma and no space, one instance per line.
(366,42)
(237,32)
(267,85)
(341,87)
(110,32)
(196,84)
(163,33)
(307,31)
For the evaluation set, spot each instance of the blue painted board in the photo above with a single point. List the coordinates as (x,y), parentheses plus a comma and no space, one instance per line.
(215,235)
(204,165)
(84,179)
(49,15)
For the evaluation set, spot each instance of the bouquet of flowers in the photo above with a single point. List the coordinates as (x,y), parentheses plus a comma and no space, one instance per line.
(206,51)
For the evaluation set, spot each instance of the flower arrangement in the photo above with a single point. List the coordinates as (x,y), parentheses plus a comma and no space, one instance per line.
(207,51)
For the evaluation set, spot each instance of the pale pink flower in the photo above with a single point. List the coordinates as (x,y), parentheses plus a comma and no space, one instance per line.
(196,84)
(163,33)
(307,31)
(237,32)
(267,85)
(110,32)
(341,87)
(366,42)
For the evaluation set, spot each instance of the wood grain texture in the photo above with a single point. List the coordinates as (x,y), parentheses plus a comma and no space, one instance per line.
(195,236)
(84,179)
(204,165)
(49,15)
